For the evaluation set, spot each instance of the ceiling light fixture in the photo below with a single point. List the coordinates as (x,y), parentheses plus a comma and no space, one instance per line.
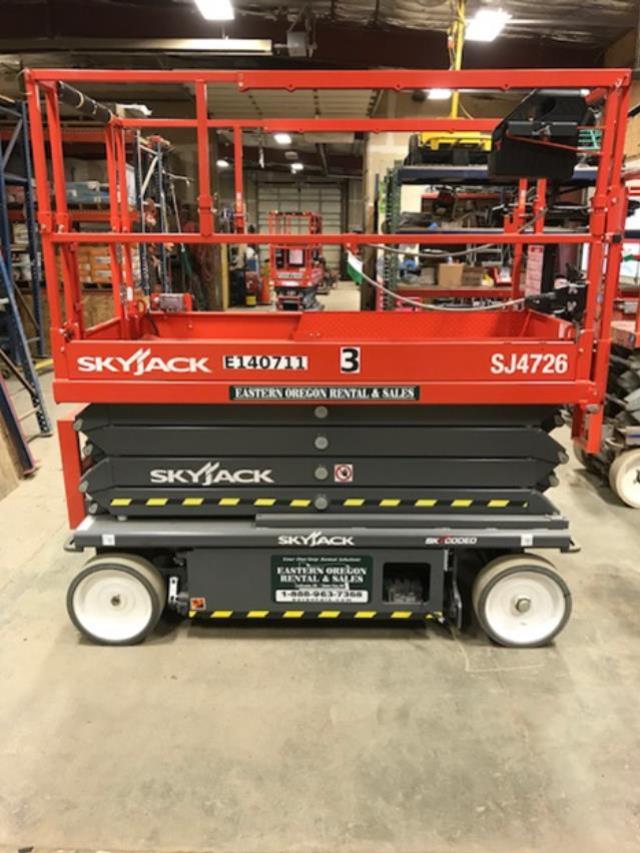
(297,167)
(282,138)
(222,164)
(439,94)
(486,25)
(216,10)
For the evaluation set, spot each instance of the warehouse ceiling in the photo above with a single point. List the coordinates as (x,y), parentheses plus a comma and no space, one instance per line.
(227,102)
(340,33)
(594,22)
(335,33)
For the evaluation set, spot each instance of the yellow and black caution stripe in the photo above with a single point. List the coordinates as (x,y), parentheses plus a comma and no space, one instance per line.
(430,503)
(307,503)
(194,502)
(315,614)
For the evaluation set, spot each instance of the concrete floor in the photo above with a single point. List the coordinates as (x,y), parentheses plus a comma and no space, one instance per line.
(279,739)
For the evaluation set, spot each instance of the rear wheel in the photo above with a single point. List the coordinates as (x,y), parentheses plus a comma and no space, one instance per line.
(116,599)
(520,600)
(624,477)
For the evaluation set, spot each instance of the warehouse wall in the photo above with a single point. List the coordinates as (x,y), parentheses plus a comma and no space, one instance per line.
(351,192)
(622,54)
(632,141)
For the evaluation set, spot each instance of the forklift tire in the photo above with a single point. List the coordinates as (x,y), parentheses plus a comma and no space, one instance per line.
(624,477)
(117,599)
(520,601)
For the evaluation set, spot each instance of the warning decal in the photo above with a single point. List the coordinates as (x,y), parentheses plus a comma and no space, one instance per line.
(325,393)
(321,578)
(343,473)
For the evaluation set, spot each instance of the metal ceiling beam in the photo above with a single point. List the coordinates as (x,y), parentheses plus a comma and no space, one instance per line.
(237,46)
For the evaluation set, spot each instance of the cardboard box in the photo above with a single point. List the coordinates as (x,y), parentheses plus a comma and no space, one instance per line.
(472,276)
(83,267)
(459,275)
(450,275)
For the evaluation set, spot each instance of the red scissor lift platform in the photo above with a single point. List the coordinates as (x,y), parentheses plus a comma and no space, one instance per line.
(618,458)
(295,271)
(369,465)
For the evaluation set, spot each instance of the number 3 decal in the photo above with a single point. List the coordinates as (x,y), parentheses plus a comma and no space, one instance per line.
(349,359)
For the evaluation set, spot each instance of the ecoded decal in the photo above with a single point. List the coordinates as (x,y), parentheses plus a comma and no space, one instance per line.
(451,540)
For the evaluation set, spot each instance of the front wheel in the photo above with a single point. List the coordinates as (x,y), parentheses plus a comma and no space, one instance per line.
(624,477)
(116,599)
(519,600)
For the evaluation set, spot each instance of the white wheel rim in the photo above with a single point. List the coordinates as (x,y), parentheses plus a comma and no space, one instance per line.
(525,607)
(628,482)
(112,605)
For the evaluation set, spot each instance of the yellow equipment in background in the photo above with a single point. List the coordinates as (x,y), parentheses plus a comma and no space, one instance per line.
(438,140)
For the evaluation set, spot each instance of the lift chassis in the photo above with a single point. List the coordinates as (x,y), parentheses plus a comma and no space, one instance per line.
(370,465)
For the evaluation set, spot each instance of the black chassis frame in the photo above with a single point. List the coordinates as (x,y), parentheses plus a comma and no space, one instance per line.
(220,568)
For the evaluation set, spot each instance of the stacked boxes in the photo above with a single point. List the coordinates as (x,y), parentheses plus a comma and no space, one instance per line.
(94,265)
(459,275)
(99,260)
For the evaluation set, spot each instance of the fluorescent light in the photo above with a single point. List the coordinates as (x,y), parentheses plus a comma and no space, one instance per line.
(282,138)
(222,164)
(439,94)
(297,167)
(215,10)
(486,24)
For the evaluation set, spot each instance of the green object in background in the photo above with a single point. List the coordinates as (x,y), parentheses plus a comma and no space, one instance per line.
(354,267)
(590,138)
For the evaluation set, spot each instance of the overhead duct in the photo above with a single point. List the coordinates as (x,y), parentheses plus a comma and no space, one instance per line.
(83,104)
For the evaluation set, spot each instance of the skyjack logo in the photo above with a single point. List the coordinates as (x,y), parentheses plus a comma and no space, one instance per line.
(209,475)
(142,362)
(315,539)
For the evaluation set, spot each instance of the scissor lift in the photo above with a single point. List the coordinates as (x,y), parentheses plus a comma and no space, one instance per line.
(322,466)
(296,272)
(617,460)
